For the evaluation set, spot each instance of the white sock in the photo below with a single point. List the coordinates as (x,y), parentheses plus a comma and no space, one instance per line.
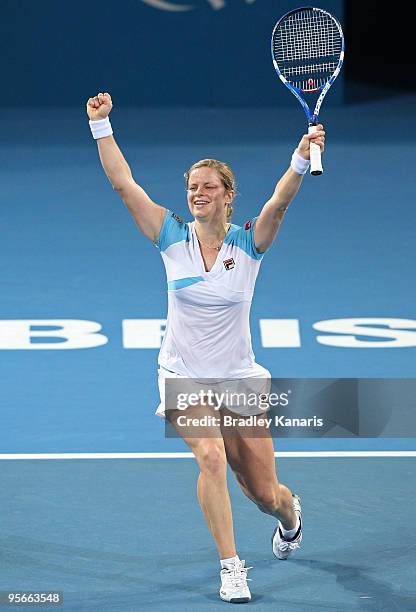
(289,534)
(229,563)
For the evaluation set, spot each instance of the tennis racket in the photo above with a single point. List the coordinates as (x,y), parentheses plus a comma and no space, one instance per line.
(307,52)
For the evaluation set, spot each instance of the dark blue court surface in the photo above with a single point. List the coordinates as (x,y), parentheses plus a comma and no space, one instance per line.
(127,534)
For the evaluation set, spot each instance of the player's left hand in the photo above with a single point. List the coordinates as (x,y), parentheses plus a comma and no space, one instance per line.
(318,137)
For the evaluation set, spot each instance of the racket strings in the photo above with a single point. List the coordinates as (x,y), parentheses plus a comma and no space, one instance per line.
(309,68)
(307,35)
(304,36)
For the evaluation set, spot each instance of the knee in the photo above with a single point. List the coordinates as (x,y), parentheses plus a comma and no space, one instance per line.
(265,495)
(211,459)
(266,498)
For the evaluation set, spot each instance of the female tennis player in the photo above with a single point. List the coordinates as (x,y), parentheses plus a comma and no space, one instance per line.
(211,268)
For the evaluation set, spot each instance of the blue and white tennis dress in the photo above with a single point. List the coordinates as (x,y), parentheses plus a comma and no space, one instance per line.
(207,331)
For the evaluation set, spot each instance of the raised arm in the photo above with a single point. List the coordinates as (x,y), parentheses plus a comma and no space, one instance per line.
(147,214)
(273,211)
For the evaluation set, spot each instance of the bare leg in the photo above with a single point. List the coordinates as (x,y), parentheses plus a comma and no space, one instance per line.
(212,487)
(252,460)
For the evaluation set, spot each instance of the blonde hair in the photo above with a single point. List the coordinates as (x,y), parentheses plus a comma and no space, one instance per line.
(225,173)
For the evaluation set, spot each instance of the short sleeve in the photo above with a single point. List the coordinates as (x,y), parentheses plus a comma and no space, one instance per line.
(255,253)
(243,238)
(173,230)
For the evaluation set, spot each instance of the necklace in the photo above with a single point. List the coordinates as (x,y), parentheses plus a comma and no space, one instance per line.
(214,248)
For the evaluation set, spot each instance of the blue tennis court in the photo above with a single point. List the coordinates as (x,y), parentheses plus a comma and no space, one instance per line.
(110,538)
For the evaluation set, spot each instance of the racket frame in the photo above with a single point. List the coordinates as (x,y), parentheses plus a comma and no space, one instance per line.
(316,165)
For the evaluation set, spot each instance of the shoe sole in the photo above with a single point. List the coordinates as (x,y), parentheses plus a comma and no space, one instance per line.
(236,600)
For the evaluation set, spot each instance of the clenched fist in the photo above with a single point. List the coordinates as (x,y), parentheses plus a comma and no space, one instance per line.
(99,106)
(318,137)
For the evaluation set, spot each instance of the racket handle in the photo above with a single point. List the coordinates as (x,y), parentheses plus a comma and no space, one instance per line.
(315,153)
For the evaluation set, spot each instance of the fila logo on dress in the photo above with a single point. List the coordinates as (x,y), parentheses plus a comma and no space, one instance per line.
(229,263)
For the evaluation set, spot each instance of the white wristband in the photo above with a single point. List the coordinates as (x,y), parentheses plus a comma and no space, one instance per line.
(298,163)
(101,128)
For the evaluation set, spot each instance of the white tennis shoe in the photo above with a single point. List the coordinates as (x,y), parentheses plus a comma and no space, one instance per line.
(282,549)
(234,587)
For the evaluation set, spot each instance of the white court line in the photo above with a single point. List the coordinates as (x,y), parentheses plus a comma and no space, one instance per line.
(13,456)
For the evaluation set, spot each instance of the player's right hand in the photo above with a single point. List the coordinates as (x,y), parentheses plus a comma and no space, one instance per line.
(99,106)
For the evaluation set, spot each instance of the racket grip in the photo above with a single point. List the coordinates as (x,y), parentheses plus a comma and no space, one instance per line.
(315,153)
